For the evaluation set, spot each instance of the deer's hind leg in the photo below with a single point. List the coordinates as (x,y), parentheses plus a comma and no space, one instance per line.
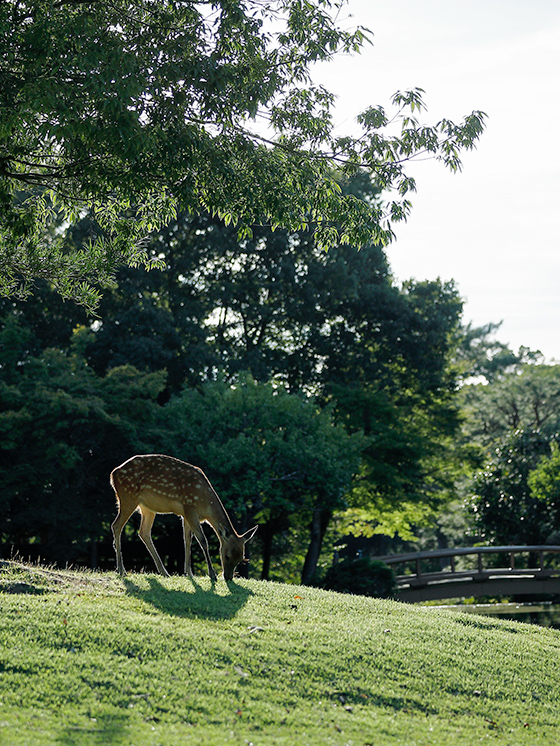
(126,509)
(145,533)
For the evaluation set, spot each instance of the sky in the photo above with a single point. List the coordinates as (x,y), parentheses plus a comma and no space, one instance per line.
(494,228)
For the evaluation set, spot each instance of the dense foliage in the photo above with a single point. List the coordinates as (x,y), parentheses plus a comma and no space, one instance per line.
(270,454)
(191,137)
(164,370)
(62,430)
(514,419)
(362,577)
(77,399)
(273,455)
(525,396)
(505,508)
(128,112)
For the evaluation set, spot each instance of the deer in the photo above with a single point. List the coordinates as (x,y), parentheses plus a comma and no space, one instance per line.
(155,484)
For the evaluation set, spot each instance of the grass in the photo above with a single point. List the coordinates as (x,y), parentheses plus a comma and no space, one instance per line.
(90,658)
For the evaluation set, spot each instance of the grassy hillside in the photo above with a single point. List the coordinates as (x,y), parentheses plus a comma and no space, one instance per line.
(95,659)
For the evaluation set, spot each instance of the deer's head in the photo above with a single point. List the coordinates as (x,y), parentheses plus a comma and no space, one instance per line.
(232,551)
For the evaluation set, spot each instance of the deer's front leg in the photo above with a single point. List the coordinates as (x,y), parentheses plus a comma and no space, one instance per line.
(187,535)
(196,528)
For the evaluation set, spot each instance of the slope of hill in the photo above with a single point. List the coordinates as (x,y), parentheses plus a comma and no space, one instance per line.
(90,658)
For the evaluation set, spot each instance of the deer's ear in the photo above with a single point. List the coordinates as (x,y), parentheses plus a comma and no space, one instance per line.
(248,535)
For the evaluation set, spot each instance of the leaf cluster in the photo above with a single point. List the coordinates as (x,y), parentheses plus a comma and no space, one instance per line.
(62,430)
(515,499)
(127,112)
(271,453)
(526,397)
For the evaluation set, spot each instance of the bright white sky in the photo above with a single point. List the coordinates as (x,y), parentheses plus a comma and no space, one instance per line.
(495,227)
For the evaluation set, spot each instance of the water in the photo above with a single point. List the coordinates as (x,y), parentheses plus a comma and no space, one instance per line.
(543,614)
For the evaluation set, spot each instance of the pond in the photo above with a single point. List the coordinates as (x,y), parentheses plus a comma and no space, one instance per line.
(543,613)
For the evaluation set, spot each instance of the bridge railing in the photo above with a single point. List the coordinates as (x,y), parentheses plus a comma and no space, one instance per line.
(418,576)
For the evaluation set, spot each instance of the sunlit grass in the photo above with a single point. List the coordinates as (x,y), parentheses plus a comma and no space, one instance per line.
(92,658)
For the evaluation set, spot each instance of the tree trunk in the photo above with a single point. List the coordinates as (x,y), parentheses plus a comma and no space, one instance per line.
(319,524)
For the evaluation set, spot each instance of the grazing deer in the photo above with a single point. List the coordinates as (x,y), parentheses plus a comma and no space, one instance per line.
(162,484)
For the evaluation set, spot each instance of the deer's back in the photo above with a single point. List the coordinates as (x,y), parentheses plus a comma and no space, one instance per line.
(162,483)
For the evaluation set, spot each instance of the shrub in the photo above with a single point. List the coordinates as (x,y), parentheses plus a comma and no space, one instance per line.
(362,576)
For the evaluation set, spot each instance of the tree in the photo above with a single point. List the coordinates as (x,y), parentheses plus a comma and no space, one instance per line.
(511,503)
(480,355)
(544,484)
(276,305)
(332,324)
(329,323)
(526,396)
(62,430)
(273,304)
(127,112)
(275,458)
(510,421)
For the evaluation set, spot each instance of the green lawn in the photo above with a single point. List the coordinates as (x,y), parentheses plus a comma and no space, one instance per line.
(94,659)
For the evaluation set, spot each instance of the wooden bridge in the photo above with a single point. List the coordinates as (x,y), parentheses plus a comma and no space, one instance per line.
(449,582)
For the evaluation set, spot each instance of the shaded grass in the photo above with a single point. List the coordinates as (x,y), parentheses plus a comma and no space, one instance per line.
(91,658)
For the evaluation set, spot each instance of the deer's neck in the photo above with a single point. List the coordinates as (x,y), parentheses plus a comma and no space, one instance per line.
(220,520)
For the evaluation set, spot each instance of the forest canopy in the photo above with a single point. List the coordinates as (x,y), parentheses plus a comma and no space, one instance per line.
(301,381)
(130,111)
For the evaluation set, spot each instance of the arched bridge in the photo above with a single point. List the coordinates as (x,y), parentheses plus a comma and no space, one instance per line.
(420,583)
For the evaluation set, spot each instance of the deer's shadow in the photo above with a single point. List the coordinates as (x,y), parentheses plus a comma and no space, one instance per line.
(194,601)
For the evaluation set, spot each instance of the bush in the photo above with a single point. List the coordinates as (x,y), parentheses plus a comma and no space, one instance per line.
(363,577)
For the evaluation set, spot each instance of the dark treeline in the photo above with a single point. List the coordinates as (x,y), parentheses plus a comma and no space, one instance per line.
(303,382)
